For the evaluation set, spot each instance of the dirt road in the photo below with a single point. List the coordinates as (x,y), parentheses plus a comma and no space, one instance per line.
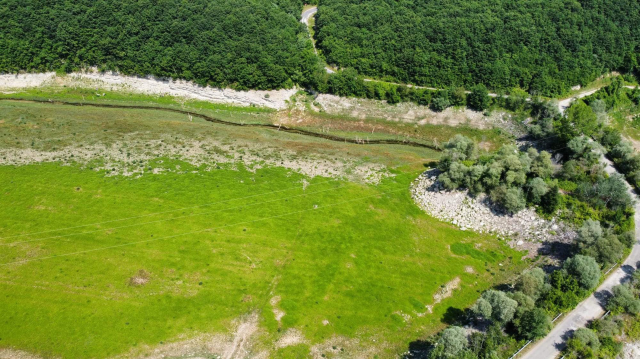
(566,103)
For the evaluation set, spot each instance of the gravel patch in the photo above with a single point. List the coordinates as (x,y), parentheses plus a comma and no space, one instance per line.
(134,157)
(630,351)
(16,354)
(525,230)
(446,290)
(238,344)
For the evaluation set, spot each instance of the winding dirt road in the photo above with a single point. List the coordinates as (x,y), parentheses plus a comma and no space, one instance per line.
(306,16)
(566,103)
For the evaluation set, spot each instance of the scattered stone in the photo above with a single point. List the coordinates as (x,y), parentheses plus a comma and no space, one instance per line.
(480,215)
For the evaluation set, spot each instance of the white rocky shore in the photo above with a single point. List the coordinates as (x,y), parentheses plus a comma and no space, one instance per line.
(150,85)
(526,229)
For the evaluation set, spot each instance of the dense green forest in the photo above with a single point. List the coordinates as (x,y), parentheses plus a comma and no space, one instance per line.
(228,43)
(543,46)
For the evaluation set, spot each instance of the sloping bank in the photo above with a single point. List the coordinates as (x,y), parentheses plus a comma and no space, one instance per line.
(229,123)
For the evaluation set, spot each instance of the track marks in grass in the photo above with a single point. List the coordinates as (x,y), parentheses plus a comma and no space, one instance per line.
(196,232)
(168,219)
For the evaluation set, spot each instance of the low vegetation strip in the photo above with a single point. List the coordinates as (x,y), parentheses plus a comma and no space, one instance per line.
(363,141)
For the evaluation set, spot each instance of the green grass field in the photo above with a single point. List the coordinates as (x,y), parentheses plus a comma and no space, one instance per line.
(215,244)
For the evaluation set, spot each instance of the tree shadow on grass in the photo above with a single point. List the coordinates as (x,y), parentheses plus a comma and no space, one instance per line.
(453,316)
(418,349)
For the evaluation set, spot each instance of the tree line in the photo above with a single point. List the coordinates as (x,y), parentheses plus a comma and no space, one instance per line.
(242,44)
(541,46)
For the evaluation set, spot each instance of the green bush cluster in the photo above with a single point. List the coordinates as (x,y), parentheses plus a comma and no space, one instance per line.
(524,313)
(597,202)
(512,178)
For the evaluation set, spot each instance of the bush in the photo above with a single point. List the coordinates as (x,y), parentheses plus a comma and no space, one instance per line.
(495,305)
(525,303)
(579,120)
(551,201)
(533,324)
(536,189)
(589,233)
(439,104)
(610,193)
(531,282)
(562,293)
(623,300)
(478,99)
(451,343)
(510,198)
(606,250)
(585,269)
(583,344)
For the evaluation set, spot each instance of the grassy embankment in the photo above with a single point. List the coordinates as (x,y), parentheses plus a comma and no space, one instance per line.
(218,244)
(344,126)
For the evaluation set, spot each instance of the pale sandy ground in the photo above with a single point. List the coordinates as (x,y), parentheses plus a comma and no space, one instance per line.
(147,85)
(408,112)
(630,351)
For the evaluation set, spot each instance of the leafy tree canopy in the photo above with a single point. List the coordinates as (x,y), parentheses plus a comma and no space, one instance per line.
(228,43)
(543,46)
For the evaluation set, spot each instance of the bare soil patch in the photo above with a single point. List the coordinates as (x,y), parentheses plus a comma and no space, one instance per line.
(289,338)
(141,278)
(342,347)
(446,290)
(237,345)
(408,112)
(16,354)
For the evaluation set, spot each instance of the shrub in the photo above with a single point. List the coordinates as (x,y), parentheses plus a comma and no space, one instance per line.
(562,293)
(585,269)
(536,189)
(583,344)
(623,300)
(439,104)
(502,307)
(478,99)
(531,282)
(589,233)
(510,198)
(533,324)
(451,343)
